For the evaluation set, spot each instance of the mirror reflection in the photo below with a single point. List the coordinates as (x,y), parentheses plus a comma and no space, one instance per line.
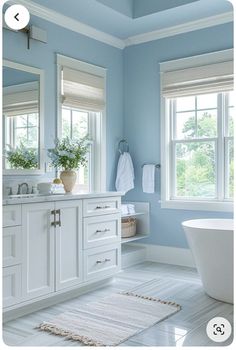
(20,119)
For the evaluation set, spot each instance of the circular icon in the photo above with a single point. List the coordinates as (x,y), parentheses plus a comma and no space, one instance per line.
(219,329)
(17,17)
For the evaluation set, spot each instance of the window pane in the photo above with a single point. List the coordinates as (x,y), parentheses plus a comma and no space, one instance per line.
(83,181)
(20,121)
(207,123)
(230,169)
(207,101)
(185,125)
(32,137)
(21,136)
(185,104)
(231,122)
(195,170)
(80,124)
(231,98)
(66,128)
(33,119)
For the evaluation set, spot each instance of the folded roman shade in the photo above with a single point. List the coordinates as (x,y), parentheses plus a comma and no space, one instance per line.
(24,102)
(216,77)
(82,90)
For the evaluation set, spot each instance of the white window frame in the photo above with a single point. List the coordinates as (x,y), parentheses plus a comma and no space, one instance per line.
(98,154)
(167,176)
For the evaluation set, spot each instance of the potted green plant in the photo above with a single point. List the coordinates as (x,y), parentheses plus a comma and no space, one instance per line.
(22,157)
(68,155)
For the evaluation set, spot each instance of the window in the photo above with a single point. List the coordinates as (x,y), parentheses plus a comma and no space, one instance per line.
(77,124)
(198,140)
(21,120)
(22,128)
(82,113)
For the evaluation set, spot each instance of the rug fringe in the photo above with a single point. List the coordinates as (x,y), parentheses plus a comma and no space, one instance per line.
(152,299)
(51,328)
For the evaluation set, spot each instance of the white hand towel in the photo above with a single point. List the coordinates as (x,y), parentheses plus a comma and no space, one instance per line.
(125,173)
(148,180)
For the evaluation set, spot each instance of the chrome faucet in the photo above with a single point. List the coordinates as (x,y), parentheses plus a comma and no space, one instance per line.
(21,185)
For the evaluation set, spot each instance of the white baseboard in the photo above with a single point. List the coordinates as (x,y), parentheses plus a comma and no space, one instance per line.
(135,255)
(169,255)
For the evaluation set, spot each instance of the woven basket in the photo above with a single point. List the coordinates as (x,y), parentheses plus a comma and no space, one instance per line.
(128,227)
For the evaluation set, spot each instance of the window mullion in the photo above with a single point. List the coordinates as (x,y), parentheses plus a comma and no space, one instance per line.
(220,165)
(196,121)
(71,123)
(172,169)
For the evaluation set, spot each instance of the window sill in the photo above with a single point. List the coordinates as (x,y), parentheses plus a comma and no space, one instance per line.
(198,205)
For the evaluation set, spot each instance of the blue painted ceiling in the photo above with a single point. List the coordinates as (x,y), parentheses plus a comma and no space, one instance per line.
(124,18)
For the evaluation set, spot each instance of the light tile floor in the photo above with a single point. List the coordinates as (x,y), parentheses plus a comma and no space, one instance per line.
(179,284)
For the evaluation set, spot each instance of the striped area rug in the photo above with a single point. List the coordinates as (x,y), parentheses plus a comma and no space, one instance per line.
(111,320)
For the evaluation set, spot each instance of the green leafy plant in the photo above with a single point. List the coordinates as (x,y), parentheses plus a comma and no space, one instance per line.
(22,157)
(69,154)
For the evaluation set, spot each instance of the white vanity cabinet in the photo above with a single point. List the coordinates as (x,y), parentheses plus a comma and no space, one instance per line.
(12,255)
(53,247)
(37,250)
(68,236)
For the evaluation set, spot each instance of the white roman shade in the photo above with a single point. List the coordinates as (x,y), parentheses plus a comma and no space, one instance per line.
(217,77)
(82,90)
(21,99)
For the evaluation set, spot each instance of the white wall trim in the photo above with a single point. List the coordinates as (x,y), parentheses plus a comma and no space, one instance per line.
(169,255)
(70,23)
(89,31)
(180,29)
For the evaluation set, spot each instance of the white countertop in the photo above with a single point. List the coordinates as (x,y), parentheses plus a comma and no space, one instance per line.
(59,197)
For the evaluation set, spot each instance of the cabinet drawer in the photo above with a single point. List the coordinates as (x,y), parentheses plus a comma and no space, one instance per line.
(101,230)
(11,285)
(11,215)
(101,262)
(101,206)
(12,239)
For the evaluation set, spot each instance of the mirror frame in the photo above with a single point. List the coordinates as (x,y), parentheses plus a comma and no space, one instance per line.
(40,72)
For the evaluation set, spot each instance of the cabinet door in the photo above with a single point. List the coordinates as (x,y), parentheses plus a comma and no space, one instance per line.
(68,244)
(11,285)
(12,251)
(38,249)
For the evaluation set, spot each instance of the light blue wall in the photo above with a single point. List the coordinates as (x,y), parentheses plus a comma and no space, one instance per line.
(122,6)
(80,47)
(143,8)
(142,118)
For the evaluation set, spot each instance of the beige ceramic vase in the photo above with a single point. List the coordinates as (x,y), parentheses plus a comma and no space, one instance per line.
(68,178)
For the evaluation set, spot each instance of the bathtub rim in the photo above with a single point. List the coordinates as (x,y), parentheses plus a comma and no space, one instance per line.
(214,224)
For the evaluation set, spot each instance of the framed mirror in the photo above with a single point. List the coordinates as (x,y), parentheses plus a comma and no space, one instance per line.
(23,119)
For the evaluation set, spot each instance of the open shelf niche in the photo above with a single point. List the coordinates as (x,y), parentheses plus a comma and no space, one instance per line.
(135,253)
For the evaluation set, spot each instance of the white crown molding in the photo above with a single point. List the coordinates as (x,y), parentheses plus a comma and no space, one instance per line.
(89,31)
(69,23)
(180,29)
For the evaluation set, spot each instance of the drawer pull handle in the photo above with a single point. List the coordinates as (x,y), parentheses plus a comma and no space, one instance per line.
(99,207)
(102,261)
(101,231)
(53,212)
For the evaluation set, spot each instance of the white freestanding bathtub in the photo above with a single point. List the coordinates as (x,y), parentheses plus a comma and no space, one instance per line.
(211,242)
